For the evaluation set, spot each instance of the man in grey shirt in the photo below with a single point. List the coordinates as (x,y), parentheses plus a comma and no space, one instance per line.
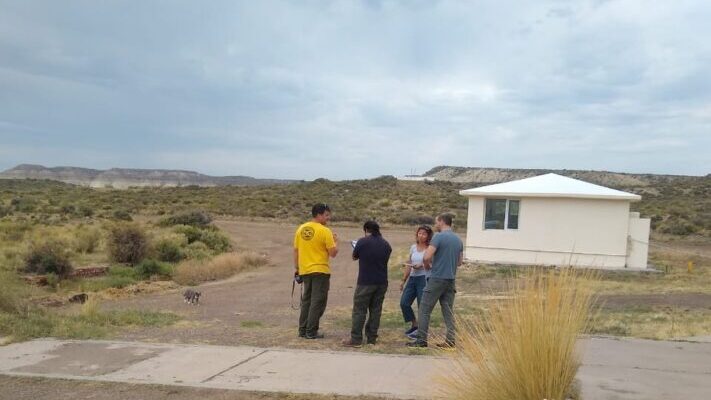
(444,255)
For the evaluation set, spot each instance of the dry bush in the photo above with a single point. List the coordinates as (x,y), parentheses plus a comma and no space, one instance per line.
(192,272)
(524,348)
(48,256)
(127,243)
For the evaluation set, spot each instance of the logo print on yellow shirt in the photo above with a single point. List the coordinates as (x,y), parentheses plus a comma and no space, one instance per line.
(307,233)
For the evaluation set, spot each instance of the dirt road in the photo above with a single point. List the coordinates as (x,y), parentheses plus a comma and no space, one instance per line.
(254,308)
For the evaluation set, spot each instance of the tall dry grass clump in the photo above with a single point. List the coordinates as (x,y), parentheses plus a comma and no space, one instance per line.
(13,293)
(524,348)
(192,272)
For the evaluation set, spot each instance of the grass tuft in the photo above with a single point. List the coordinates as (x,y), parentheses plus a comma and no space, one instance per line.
(524,348)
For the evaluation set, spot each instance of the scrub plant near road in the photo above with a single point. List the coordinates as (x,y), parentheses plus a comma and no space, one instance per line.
(525,347)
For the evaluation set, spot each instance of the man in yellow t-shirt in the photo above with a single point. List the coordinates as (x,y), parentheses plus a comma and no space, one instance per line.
(314,244)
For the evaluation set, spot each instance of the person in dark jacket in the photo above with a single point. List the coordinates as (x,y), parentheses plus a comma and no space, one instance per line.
(373,253)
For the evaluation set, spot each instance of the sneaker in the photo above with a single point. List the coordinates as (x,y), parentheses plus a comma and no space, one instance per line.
(446,345)
(417,343)
(413,335)
(350,343)
(316,336)
(371,341)
(409,331)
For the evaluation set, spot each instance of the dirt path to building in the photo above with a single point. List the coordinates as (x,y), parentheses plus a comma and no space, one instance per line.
(254,308)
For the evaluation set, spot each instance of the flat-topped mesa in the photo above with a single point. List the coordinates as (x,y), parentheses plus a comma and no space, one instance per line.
(122,178)
(497,175)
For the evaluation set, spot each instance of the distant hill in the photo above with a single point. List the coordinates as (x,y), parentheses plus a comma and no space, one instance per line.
(475,175)
(121,178)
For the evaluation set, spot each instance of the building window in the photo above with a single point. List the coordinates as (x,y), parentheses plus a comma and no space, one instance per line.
(501,214)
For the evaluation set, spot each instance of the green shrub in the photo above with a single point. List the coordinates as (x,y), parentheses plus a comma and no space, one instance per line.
(216,240)
(148,268)
(127,243)
(23,205)
(122,215)
(197,251)
(122,271)
(50,256)
(192,218)
(210,235)
(169,249)
(191,233)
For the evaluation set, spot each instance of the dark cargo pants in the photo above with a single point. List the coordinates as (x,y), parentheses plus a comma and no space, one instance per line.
(313,302)
(367,300)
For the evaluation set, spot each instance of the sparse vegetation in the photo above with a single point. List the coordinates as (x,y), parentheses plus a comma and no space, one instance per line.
(192,272)
(653,322)
(89,324)
(13,293)
(192,218)
(178,235)
(20,319)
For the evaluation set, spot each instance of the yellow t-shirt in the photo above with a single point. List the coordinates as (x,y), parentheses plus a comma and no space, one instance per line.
(313,241)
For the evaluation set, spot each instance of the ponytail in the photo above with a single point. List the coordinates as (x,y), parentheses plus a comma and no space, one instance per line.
(372,227)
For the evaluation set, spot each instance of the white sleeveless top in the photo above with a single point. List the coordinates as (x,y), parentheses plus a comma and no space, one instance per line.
(418,257)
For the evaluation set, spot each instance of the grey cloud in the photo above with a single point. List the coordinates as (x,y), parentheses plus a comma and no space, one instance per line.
(348,89)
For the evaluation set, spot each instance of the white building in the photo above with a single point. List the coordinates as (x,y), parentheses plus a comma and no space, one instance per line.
(555,220)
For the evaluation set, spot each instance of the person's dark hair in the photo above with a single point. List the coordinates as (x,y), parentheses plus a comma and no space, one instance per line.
(446,218)
(427,230)
(319,208)
(372,227)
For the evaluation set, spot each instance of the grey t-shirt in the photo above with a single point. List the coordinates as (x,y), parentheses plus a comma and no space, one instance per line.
(446,257)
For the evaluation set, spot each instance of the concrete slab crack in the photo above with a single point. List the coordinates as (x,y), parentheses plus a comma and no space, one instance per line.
(234,366)
(673,371)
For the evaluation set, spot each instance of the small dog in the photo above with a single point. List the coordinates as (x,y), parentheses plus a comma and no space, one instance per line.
(192,297)
(80,298)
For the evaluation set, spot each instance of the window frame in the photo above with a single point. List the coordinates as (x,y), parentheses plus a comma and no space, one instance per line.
(506,214)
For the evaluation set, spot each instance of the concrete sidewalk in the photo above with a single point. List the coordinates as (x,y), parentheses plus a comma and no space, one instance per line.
(221,367)
(612,369)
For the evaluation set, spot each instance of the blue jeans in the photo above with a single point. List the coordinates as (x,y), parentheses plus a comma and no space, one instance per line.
(413,290)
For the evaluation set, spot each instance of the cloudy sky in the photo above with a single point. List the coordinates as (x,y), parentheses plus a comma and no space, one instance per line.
(308,89)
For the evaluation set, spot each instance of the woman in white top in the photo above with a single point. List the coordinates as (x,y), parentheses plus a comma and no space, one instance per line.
(415,279)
